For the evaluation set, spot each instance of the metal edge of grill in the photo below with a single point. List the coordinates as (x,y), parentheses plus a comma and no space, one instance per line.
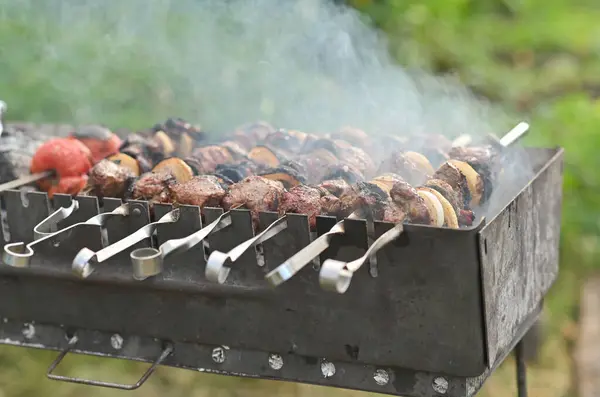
(453,313)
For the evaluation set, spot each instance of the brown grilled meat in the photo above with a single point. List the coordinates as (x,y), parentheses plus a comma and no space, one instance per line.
(256,194)
(408,200)
(454,197)
(203,191)
(484,159)
(453,177)
(108,179)
(154,187)
(357,158)
(302,199)
(399,163)
(249,135)
(209,157)
(316,163)
(337,187)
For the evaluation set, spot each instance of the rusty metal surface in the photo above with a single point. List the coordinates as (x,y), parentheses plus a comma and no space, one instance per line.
(519,256)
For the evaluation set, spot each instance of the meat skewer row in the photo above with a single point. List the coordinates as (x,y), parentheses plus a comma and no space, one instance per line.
(336,275)
(406,201)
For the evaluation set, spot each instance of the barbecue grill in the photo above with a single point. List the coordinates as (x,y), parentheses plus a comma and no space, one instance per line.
(434,315)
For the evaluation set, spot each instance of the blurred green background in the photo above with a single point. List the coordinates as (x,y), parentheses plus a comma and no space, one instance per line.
(536,58)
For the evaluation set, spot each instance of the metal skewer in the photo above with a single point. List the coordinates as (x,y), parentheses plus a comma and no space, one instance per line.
(337,275)
(148,262)
(19,254)
(217,272)
(289,268)
(25,180)
(82,264)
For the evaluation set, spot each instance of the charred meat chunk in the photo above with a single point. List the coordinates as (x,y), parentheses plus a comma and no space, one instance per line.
(237,172)
(302,199)
(289,177)
(450,174)
(209,157)
(316,164)
(408,199)
(154,187)
(344,171)
(249,135)
(256,194)
(108,179)
(454,197)
(202,190)
(367,199)
(336,187)
(484,160)
(357,158)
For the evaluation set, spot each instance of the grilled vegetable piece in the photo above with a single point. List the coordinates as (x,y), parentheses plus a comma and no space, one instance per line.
(176,167)
(202,190)
(99,139)
(421,162)
(237,172)
(289,177)
(69,158)
(145,150)
(290,141)
(256,194)
(237,151)
(474,181)
(401,164)
(209,157)
(302,199)
(154,187)
(386,181)
(267,156)
(408,199)
(354,136)
(109,179)
(452,196)
(167,146)
(450,174)
(345,172)
(126,161)
(435,207)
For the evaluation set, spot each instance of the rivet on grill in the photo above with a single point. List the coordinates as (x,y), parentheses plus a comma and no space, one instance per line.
(116,341)
(440,385)
(28,331)
(381,377)
(327,369)
(275,361)
(218,355)
(136,212)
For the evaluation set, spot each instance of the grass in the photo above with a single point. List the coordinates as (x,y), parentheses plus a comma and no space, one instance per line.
(535,58)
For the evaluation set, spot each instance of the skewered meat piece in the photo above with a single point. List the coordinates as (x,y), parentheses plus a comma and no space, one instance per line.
(288,176)
(414,167)
(179,136)
(249,135)
(202,190)
(256,194)
(146,151)
(209,157)
(407,198)
(108,179)
(484,160)
(337,187)
(450,174)
(316,163)
(153,187)
(302,199)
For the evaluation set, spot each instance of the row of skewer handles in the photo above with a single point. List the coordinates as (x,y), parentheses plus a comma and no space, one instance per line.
(148,262)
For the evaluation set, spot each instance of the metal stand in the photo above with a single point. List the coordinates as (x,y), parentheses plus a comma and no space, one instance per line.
(521,370)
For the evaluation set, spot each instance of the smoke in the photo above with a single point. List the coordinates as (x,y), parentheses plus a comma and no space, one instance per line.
(310,65)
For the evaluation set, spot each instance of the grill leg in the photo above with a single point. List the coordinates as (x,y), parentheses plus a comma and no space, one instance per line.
(521,370)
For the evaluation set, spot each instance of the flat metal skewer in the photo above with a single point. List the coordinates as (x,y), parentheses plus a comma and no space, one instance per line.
(289,268)
(25,180)
(82,264)
(19,254)
(148,262)
(217,272)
